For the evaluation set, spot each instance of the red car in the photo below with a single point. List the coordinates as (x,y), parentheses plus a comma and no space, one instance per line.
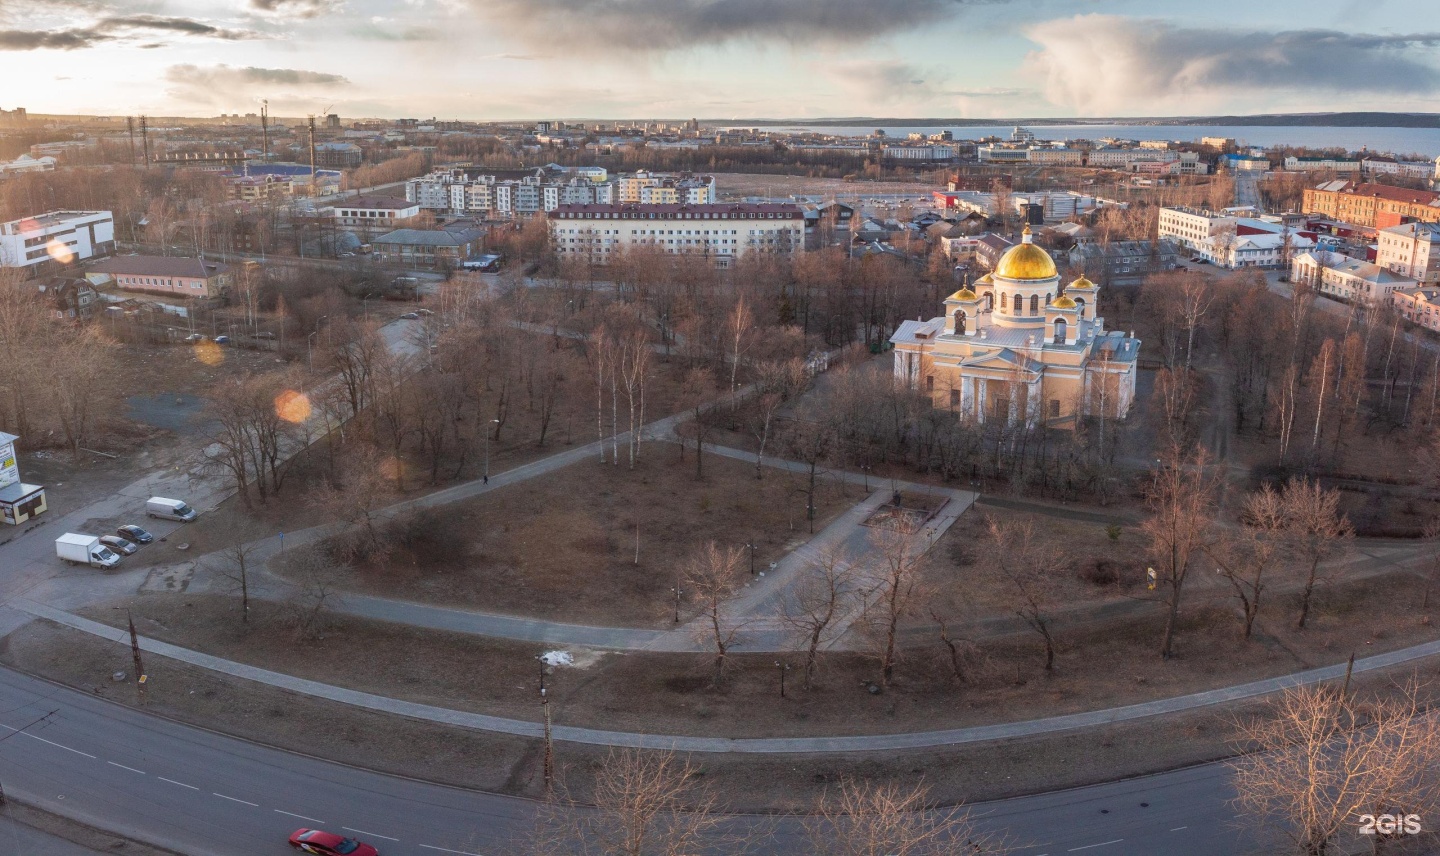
(329,844)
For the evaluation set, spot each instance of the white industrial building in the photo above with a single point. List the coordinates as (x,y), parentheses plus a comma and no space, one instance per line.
(57,238)
(721,233)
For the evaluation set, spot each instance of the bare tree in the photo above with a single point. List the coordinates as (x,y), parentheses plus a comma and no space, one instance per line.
(893,587)
(314,579)
(739,326)
(236,563)
(1316,530)
(712,576)
(1317,759)
(820,599)
(810,441)
(1243,557)
(868,818)
(358,496)
(644,804)
(1180,497)
(1031,568)
(699,386)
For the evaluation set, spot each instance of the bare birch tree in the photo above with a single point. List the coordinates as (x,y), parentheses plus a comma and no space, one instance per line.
(1181,500)
(712,576)
(1031,568)
(893,587)
(820,600)
(868,818)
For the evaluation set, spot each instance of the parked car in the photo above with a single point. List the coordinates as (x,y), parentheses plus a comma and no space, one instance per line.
(195,337)
(329,844)
(410,316)
(222,340)
(131,532)
(424,312)
(118,544)
(264,334)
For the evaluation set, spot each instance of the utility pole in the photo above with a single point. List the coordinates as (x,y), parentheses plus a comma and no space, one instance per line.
(130,128)
(314,191)
(265,129)
(549,762)
(145,139)
(135,652)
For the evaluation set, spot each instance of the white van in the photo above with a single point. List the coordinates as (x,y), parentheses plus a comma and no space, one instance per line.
(169,509)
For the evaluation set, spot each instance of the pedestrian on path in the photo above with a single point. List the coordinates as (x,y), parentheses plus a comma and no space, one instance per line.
(487,478)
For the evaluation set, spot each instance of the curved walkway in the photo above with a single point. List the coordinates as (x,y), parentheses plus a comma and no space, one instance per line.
(758,745)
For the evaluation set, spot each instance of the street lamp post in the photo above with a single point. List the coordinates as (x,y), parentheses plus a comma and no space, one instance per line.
(310,349)
(752,558)
(486,479)
(135,653)
(676,589)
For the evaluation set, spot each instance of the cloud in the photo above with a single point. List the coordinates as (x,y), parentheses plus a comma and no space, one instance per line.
(187,26)
(894,83)
(224,77)
(58,40)
(386,31)
(297,8)
(1101,64)
(115,28)
(660,25)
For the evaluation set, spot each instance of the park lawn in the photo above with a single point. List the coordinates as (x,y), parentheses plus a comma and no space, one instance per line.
(562,545)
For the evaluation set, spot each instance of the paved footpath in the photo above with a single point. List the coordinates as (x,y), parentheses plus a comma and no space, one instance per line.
(770,745)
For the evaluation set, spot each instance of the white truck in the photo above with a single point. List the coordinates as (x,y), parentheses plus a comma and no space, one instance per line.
(169,509)
(80,549)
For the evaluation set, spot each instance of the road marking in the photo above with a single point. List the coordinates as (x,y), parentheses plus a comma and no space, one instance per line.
(233,799)
(372,834)
(123,767)
(443,850)
(302,817)
(181,784)
(1178,828)
(57,745)
(1088,846)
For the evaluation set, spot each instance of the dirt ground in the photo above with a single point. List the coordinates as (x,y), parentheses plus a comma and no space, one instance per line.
(562,545)
(511,765)
(1102,662)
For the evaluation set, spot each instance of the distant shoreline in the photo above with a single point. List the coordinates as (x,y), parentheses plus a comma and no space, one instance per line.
(1315,120)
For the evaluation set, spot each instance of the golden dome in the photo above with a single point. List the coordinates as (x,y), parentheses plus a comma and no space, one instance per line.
(1064,302)
(1026,261)
(1082,283)
(963,295)
(987,279)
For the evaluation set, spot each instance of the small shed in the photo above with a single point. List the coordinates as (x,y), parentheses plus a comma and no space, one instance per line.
(18,501)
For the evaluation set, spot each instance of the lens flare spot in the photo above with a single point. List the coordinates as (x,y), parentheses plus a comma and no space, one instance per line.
(209,353)
(392,468)
(59,251)
(292,406)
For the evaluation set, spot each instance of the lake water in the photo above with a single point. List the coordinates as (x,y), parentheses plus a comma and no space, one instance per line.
(1425,141)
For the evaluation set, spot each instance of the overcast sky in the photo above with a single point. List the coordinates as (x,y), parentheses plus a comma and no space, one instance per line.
(498,59)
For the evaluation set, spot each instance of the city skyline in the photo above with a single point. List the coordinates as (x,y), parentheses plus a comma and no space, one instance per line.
(793,59)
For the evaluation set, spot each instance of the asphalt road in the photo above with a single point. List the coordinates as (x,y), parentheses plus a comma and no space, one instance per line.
(203,793)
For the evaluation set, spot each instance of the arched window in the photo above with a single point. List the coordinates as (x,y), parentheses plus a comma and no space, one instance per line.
(989,301)
(959,322)
(1034,304)
(1059,331)
(1048,297)
(1080,302)
(1004,301)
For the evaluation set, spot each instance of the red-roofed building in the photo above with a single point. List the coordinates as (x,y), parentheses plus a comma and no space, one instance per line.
(162,274)
(1378,206)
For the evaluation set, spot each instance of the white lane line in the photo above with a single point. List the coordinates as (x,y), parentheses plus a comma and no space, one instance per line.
(234,799)
(1178,828)
(58,746)
(1088,846)
(123,767)
(181,784)
(371,834)
(443,850)
(301,816)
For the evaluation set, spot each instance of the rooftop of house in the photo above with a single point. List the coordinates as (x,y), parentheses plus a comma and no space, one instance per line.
(429,237)
(375,203)
(159,266)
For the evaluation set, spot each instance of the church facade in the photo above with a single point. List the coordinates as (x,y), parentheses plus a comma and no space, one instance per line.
(1017,348)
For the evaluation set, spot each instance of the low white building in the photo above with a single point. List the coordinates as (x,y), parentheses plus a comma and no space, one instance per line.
(372,212)
(1410,249)
(1304,164)
(26,163)
(722,233)
(57,238)
(1420,305)
(1345,278)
